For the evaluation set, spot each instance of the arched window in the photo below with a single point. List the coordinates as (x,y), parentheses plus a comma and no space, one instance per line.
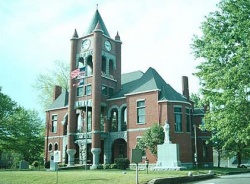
(111,68)
(50,147)
(89,67)
(124,119)
(103,65)
(114,121)
(79,123)
(80,62)
(56,146)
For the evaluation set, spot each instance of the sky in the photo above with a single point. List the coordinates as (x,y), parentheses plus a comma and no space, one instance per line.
(154,33)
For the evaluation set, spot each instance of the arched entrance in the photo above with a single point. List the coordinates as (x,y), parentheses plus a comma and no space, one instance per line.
(119,149)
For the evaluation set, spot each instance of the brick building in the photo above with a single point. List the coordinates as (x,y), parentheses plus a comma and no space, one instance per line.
(103,118)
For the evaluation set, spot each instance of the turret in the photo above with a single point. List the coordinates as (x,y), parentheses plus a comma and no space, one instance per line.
(96,95)
(71,150)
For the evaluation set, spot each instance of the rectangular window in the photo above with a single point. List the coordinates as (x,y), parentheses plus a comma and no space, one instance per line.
(54,124)
(104,90)
(111,91)
(178,119)
(88,90)
(89,123)
(79,91)
(141,112)
(188,119)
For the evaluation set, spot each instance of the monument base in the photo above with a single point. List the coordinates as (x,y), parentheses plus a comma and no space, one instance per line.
(168,157)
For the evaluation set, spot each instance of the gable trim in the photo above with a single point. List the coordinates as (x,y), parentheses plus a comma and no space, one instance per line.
(175,101)
(153,90)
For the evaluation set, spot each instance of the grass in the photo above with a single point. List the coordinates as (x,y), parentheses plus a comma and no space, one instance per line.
(94,176)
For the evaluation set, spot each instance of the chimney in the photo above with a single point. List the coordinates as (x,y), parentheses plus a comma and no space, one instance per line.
(185,88)
(57,92)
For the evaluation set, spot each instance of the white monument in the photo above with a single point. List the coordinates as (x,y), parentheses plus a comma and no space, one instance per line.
(167,153)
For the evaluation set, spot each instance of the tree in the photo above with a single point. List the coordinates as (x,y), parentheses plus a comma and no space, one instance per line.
(7,108)
(21,131)
(26,129)
(224,73)
(195,97)
(46,82)
(217,143)
(151,138)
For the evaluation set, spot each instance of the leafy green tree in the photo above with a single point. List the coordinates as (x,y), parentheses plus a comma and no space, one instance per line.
(7,108)
(196,98)
(151,138)
(21,131)
(218,144)
(224,73)
(27,134)
(46,82)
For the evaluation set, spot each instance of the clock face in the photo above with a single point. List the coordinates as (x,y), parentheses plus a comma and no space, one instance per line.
(107,45)
(85,44)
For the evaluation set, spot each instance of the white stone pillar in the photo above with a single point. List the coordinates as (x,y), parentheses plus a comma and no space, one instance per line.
(71,158)
(96,154)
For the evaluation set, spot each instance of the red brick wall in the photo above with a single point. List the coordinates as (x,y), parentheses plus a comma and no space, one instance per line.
(151,108)
(182,138)
(51,137)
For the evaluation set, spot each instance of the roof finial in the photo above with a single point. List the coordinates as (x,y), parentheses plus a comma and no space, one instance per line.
(96,6)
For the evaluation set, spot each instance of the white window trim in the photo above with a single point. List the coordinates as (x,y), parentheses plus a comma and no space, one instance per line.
(53,121)
(140,100)
(179,106)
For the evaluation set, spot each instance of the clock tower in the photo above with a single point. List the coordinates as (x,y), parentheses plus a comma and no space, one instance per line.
(98,58)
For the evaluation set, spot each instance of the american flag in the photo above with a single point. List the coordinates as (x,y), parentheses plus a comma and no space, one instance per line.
(78,72)
(75,73)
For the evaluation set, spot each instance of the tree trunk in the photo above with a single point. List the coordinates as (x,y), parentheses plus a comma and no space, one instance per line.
(219,158)
(239,158)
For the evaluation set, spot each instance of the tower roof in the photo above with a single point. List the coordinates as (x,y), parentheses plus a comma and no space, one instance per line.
(97,18)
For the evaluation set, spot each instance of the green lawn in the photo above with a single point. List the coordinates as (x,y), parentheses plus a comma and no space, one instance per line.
(90,176)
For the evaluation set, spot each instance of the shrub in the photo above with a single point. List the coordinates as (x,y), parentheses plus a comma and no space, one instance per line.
(122,163)
(47,164)
(62,165)
(113,166)
(100,166)
(35,164)
(106,166)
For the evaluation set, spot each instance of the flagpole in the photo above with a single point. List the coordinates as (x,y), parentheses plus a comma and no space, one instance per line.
(86,118)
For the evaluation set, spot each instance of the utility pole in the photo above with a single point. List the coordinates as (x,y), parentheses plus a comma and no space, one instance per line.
(195,145)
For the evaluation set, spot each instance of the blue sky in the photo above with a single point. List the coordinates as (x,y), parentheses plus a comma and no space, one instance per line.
(155,33)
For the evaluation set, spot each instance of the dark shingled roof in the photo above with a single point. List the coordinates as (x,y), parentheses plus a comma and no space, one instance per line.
(61,101)
(198,111)
(96,18)
(138,82)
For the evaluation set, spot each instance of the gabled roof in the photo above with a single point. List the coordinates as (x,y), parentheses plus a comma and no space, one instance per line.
(128,77)
(61,101)
(96,18)
(138,82)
